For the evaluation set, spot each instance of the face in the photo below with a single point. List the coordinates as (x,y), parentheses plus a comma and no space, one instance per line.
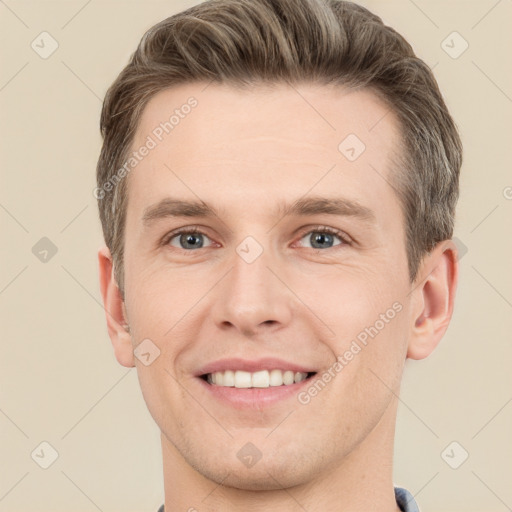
(292,266)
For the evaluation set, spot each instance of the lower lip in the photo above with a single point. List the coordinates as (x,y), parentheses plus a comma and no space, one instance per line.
(244,398)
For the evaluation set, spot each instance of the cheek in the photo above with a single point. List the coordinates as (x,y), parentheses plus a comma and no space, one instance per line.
(371,359)
(369,332)
(351,302)
(157,300)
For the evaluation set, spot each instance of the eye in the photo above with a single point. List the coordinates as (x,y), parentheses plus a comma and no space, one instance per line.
(186,239)
(324,237)
(321,237)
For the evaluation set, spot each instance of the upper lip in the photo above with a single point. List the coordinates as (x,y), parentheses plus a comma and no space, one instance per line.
(265,363)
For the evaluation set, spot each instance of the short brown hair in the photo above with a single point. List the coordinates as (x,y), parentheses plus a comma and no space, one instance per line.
(245,42)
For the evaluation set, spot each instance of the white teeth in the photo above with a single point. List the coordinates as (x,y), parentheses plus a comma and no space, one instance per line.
(260,379)
(288,378)
(229,378)
(276,378)
(242,379)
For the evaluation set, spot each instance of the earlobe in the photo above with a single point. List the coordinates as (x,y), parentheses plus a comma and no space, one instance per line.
(115,311)
(434,299)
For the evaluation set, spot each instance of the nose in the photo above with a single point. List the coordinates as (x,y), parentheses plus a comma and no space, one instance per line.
(252,297)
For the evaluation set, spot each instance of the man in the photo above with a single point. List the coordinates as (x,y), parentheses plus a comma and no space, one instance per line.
(277,189)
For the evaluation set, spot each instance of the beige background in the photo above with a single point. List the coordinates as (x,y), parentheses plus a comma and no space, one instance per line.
(60,382)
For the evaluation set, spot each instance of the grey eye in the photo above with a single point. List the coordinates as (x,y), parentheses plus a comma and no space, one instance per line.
(188,240)
(321,240)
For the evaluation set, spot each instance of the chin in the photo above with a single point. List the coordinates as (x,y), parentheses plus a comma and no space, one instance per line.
(261,481)
(264,476)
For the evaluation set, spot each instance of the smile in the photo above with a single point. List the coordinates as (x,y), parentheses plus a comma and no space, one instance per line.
(259,379)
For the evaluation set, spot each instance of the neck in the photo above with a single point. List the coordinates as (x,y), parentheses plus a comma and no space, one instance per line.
(361,481)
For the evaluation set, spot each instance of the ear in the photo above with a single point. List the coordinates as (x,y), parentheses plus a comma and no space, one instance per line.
(434,295)
(115,310)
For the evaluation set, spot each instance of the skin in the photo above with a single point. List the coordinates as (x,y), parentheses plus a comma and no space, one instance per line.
(243,153)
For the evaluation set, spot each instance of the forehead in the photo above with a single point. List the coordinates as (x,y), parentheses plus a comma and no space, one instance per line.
(252,145)
(318,113)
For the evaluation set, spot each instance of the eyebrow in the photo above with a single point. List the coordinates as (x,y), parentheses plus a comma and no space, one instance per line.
(171,207)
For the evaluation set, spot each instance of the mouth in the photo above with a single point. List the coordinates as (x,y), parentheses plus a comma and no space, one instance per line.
(261,379)
(254,383)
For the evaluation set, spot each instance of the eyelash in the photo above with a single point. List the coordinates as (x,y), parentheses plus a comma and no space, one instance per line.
(345,239)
